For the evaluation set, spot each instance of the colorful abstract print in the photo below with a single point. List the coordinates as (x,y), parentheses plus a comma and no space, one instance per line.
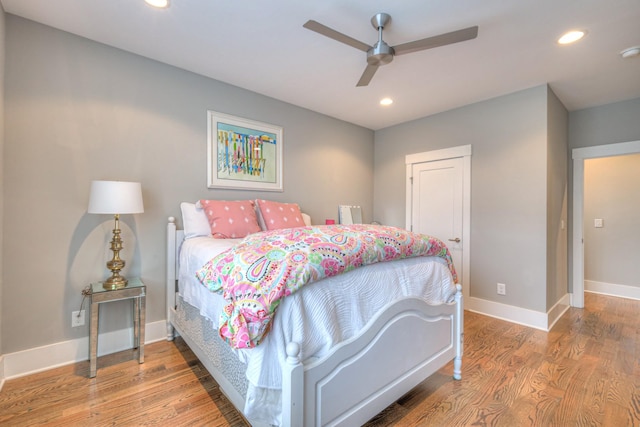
(255,275)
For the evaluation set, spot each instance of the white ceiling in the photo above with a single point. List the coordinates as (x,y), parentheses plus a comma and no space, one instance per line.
(261,45)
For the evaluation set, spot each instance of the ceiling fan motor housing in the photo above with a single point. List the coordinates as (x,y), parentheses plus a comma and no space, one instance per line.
(380,54)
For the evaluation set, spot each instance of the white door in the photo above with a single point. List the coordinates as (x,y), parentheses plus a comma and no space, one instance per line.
(437,204)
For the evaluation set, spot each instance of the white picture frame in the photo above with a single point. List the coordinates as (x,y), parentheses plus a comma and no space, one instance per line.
(243,154)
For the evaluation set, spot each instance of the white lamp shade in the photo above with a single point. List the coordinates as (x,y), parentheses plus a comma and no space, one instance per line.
(115,197)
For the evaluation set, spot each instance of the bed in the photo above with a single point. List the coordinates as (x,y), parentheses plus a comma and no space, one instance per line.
(314,365)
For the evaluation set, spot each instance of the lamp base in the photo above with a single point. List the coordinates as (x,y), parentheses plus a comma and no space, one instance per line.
(115,282)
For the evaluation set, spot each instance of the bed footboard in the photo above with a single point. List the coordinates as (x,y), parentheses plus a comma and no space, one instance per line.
(400,348)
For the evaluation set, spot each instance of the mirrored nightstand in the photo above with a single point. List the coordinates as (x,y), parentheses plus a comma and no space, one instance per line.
(135,290)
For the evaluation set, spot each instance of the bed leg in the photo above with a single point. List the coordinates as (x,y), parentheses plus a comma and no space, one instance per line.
(170,331)
(170,286)
(459,335)
(457,368)
(292,387)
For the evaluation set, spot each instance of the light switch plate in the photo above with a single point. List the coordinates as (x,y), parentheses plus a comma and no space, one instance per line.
(598,223)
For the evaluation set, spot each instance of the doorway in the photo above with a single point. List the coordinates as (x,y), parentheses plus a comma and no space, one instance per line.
(442,179)
(579,156)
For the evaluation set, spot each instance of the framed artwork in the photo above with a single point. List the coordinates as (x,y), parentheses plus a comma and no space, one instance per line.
(243,154)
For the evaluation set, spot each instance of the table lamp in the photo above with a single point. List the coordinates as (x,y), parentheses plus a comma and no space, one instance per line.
(116,198)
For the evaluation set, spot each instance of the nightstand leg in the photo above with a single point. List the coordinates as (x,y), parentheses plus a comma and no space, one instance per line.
(93,339)
(136,322)
(142,312)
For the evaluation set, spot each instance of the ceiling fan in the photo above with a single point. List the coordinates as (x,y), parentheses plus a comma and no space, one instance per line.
(381,53)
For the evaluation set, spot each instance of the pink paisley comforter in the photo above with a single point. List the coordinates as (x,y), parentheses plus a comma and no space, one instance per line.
(255,275)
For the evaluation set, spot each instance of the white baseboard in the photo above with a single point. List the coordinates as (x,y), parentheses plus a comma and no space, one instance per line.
(50,356)
(622,291)
(519,315)
(558,310)
(1,371)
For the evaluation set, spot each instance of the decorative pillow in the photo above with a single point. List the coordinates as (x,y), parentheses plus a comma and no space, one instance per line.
(194,221)
(230,219)
(280,215)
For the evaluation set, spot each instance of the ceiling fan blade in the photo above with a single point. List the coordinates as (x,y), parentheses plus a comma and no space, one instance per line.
(436,41)
(333,34)
(367,75)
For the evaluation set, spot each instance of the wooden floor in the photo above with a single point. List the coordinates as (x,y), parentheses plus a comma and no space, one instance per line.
(585,372)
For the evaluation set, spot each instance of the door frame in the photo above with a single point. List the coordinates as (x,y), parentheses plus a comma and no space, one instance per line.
(579,155)
(463,151)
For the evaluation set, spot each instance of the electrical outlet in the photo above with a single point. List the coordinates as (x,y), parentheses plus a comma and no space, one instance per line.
(77,318)
(501,289)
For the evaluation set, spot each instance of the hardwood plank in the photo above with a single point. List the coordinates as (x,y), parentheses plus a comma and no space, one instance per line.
(585,372)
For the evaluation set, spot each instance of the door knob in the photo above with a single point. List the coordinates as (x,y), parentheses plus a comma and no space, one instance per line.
(457,240)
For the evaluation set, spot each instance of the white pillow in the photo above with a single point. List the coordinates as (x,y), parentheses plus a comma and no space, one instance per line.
(194,221)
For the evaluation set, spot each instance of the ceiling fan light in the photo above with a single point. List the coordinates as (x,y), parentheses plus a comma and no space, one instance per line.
(571,36)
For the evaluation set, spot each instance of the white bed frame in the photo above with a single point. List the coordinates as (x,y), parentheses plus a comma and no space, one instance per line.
(400,347)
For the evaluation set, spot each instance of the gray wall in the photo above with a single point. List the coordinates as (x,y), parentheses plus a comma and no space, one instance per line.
(508,194)
(557,166)
(607,124)
(77,111)
(612,193)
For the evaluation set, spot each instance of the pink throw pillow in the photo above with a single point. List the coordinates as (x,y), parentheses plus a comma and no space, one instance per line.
(231,219)
(280,215)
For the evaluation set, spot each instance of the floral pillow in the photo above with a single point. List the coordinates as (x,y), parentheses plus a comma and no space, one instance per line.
(280,215)
(231,219)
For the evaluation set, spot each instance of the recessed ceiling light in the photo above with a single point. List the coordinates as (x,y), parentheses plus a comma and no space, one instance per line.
(386,101)
(571,36)
(630,52)
(158,3)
